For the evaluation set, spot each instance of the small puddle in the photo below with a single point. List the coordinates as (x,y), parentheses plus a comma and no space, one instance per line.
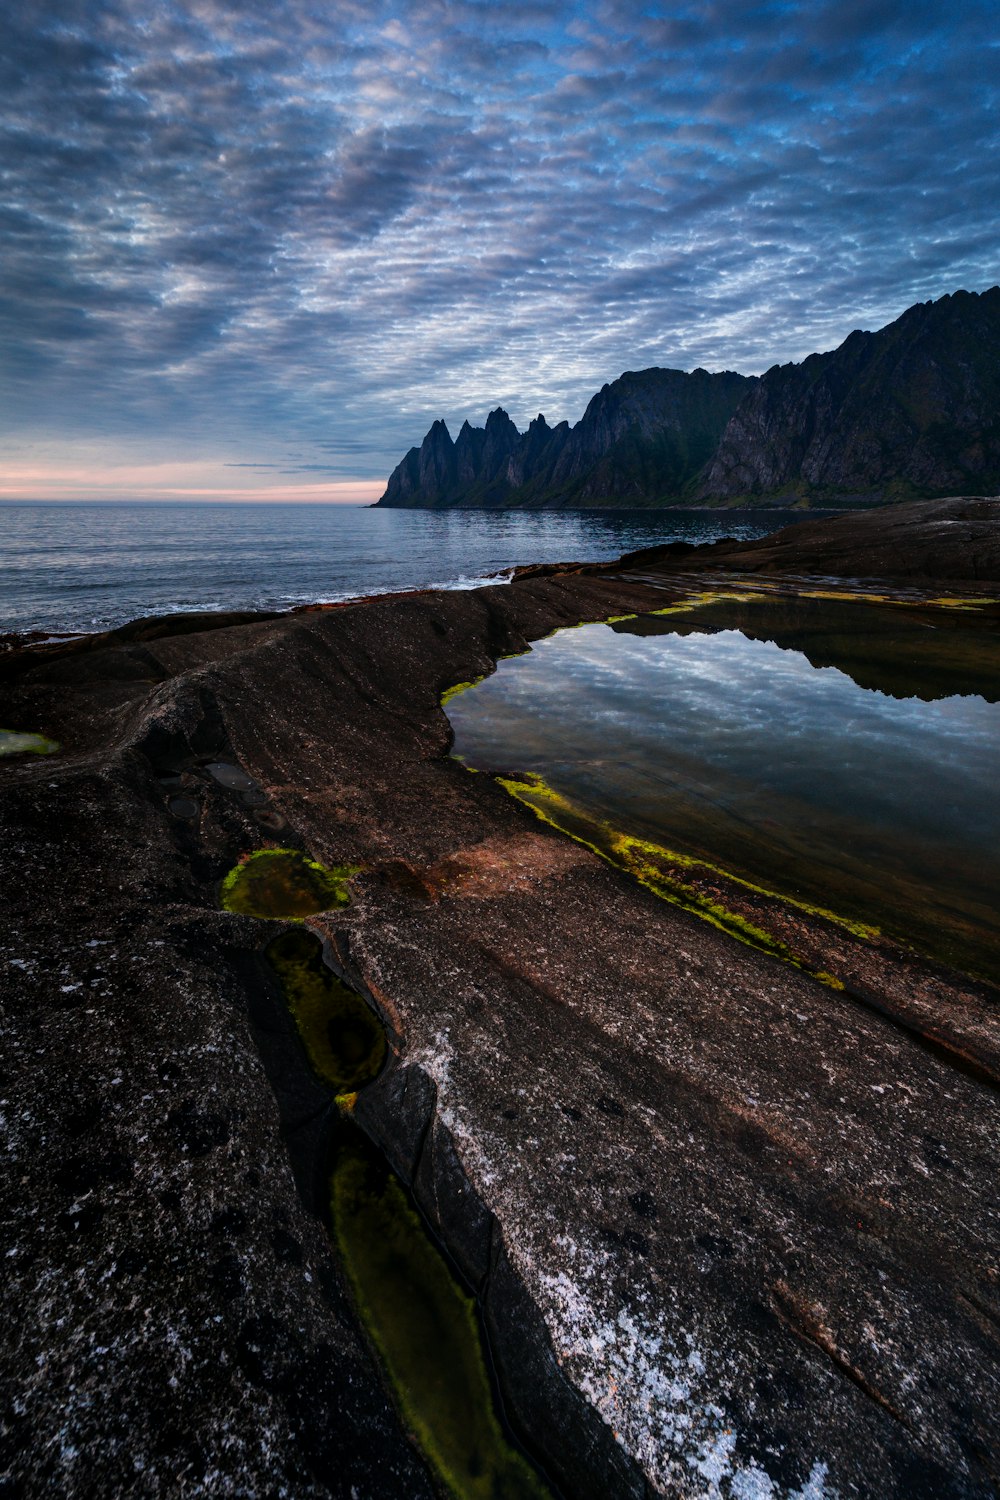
(842,753)
(18,742)
(284,883)
(425,1328)
(233,778)
(343,1036)
(184,807)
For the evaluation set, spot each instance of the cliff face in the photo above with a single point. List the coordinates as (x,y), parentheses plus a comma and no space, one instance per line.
(644,437)
(910,411)
(640,441)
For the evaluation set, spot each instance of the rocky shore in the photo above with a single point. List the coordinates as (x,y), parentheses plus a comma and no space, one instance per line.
(733,1229)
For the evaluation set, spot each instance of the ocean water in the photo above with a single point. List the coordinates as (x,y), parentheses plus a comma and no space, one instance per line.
(90,566)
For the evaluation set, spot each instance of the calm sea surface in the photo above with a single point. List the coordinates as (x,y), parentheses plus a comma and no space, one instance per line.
(88,566)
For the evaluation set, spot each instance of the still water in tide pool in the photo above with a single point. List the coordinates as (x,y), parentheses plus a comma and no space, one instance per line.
(841,753)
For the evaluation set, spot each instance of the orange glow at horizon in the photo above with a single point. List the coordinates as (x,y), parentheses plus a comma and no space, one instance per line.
(170,481)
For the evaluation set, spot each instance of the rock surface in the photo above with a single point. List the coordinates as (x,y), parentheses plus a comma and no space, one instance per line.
(910,410)
(734,1230)
(951,541)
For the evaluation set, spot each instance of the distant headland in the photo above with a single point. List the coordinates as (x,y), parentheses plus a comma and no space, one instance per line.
(910,411)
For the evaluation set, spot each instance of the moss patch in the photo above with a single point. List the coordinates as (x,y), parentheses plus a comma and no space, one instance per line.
(284,883)
(344,1038)
(425,1328)
(17,742)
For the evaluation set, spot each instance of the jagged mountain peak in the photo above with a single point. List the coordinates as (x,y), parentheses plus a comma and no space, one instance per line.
(499,418)
(910,410)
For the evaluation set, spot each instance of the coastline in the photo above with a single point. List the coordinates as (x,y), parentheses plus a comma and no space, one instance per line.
(539,1088)
(68,570)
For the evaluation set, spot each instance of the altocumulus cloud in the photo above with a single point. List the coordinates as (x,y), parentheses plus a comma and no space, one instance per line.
(290,229)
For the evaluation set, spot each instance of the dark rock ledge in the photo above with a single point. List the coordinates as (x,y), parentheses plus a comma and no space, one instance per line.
(735,1232)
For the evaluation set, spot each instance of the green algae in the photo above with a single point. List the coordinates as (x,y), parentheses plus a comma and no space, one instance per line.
(705,598)
(646,858)
(425,1329)
(423,1325)
(343,1037)
(649,864)
(975,604)
(284,883)
(459,687)
(19,742)
(957,601)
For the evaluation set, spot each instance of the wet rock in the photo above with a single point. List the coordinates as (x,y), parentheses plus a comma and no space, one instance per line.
(944,541)
(232,777)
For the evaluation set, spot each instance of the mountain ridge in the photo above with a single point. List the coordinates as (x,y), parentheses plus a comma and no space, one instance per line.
(909,411)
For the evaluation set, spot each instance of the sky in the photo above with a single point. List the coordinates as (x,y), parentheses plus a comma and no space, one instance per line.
(253,251)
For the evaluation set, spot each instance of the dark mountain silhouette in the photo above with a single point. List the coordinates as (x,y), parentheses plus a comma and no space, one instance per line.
(912,411)
(646,436)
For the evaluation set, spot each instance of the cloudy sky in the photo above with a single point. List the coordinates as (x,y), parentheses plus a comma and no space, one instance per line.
(258,248)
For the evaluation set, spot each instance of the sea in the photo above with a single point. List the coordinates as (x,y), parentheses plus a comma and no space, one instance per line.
(84,566)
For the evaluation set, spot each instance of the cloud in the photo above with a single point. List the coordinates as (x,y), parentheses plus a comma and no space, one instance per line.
(249,228)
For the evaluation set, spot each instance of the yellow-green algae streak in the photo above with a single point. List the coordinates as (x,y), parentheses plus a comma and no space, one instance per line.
(456,688)
(426,1331)
(19,742)
(284,883)
(344,1039)
(645,861)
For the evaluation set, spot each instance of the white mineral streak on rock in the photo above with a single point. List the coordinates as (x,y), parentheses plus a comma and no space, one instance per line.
(435,1061)
(653,1388)
(654,1395)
